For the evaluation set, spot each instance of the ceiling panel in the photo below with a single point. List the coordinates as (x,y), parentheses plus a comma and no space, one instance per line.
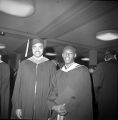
(62,22)
(86,34)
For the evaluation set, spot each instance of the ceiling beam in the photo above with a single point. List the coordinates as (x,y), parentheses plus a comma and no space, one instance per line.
(77,16)
(16,32)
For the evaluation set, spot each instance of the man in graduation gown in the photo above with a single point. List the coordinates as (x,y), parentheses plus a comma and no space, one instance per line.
(105,79)
(33,82)
(74,89)
(4,89)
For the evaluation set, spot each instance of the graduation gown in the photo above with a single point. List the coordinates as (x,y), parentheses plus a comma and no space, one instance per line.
(105,79)
(74,90)
(4,89)
(32,86)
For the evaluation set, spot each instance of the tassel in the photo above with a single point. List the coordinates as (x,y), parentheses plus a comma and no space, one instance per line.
(27,48)
(45,43)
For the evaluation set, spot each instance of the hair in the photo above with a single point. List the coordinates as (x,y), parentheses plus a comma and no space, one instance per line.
(71,48)
(110,54)
(36,40)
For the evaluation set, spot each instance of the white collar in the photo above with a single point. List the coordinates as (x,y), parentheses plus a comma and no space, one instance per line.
(67,66)
(72,66)
(1,61)
(38,60)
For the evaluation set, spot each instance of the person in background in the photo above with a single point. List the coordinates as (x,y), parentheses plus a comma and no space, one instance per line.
(35,78)
(4,89)
(74,96)
(105,80)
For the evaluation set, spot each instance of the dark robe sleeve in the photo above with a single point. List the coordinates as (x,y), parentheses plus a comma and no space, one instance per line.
(85,98)
(16,98)
(98,79)
(53,87)
(6,78)
(5,90)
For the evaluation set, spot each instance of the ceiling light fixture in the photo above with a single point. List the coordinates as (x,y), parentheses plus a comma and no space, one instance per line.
(20,8)
(2,46)
(51,54)
(49,51)
(2,33)
(85,59)
(107,35)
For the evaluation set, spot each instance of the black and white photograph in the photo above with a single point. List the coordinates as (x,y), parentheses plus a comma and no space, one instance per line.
(59,59)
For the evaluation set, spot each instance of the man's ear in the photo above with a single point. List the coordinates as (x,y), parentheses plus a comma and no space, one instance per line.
(115,56)
(75,55)
(62,55)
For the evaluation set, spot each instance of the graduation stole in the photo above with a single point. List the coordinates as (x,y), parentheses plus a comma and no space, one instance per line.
(73,66)
(38,61)
(1,61)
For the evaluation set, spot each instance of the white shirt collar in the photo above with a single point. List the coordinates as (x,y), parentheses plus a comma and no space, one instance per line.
(1,61)
(38,60)
(72,66)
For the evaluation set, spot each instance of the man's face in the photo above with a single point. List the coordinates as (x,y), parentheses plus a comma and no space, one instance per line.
(68,56)
(37,49)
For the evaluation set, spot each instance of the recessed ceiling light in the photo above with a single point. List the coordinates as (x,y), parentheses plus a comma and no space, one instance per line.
(20,8)
(51,54)
(85,59)
(2,46)
(2,33)
(107,35)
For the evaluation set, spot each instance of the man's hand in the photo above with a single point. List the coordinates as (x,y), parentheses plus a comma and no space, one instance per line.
(60,109)
(19,113)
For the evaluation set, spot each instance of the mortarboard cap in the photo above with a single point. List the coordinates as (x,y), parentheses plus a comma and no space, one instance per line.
(36,40)
(33,41)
